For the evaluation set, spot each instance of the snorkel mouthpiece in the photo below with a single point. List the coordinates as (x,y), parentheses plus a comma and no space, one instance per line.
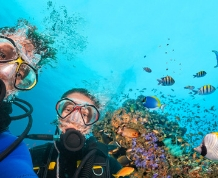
(72,140)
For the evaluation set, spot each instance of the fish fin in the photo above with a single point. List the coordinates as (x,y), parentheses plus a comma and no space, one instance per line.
(144,100)
(216,66)
(162,107)
(119,130)
(160,81)
(115,175)
(157,99)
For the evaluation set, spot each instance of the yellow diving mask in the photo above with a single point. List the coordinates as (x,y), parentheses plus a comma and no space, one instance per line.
(25,76)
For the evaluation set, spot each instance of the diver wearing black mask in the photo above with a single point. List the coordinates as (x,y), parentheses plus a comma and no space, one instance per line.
(75,152)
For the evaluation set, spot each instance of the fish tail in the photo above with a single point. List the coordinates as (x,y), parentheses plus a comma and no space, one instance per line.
(195,76)
(162,107)
(159,81)
(216,66)
(115,175)
(195,92)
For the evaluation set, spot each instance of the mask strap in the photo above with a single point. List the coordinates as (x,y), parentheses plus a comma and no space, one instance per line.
(9,39)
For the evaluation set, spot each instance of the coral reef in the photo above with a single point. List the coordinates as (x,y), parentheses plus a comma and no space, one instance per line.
(159,151)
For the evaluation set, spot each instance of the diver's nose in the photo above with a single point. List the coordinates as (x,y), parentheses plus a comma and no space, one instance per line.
(7,71)
(75,116)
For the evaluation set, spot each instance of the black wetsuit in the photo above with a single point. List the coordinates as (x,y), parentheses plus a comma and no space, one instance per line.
(46,154)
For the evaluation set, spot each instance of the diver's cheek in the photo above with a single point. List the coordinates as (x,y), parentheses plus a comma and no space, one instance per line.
(7,75)
(9,84)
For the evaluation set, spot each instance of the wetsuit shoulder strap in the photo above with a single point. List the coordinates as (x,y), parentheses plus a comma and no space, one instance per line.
(41,158)
(101,161)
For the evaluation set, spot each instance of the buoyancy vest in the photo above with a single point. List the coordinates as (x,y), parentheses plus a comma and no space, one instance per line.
(96,166)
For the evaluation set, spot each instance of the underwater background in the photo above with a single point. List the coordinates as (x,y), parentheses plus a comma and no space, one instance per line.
(104,46)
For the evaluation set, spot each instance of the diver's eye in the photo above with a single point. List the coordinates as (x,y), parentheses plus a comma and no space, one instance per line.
(2,55)
(19,75)
(85,115)
(68,109)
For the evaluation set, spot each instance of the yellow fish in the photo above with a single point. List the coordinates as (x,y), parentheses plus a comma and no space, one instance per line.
(125,171)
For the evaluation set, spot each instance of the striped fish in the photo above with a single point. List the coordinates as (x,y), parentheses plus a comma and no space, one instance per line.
(205,90)
(200,74)
(166,81)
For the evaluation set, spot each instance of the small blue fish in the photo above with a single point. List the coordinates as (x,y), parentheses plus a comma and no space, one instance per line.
(216,53)
(205,90)
(166,81)
(200,74)
(153,103)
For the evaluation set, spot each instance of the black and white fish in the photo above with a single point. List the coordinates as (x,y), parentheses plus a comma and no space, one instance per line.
(209,146)
(166,81)
(205,90)
(200,74)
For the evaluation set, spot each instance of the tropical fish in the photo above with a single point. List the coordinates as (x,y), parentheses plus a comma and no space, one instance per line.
(166,81)
(123,160)
(147,69)
(125,171)
(200,74)
(189,87)
(216,53)
(104,138)
(209,146)
(128,132)
(153,103)
(205,90)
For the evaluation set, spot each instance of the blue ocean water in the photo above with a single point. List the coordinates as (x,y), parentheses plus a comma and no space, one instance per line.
(174,38)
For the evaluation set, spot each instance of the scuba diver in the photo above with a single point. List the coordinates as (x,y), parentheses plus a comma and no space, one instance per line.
(75,152)
(20,61)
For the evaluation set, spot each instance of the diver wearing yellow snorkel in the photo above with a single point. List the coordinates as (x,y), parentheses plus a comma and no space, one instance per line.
(22,52)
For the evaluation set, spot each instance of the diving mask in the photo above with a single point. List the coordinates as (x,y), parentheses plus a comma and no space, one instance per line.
(14,71)
(67,108)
